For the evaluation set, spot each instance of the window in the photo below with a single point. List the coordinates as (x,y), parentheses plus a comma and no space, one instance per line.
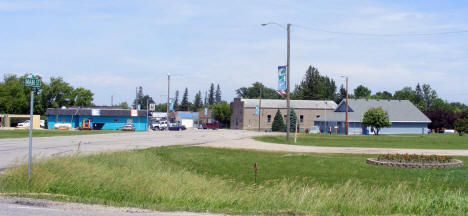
(269,118)
(301,118)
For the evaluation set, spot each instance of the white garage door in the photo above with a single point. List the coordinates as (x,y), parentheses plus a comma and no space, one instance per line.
(188,123)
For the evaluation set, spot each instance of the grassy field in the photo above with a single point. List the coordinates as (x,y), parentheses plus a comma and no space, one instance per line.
(430,141)
(221,180)
(47,133)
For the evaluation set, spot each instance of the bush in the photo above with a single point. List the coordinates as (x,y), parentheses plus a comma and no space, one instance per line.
(461,125)
(414,158)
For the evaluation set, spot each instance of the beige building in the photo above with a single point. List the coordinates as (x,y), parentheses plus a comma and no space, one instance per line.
(244,115)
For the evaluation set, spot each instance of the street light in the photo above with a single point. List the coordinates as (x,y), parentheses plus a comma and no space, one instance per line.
(288,28)
(346,120)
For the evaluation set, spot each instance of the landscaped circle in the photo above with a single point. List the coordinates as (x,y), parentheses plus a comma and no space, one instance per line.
(414,161)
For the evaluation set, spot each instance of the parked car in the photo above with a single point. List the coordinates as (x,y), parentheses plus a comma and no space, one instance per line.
(212,125)
(449,131)
(23,124)
(314,130)
(176,127)
(27,122)
(159,125)
(128,127)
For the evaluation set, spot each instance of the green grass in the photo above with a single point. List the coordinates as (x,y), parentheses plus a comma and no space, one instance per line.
(221,180)
(22,133)
(430,141)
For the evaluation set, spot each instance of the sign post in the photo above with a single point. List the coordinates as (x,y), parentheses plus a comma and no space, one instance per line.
(33,83)
(255,171)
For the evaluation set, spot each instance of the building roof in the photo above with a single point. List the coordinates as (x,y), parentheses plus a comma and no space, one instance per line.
(297,104)
(398,111)
(88,111)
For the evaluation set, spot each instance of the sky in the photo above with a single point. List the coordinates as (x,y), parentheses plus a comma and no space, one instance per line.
(111,47)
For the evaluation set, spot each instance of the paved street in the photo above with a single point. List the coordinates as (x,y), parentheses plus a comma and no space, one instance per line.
(11,206)
(14,151)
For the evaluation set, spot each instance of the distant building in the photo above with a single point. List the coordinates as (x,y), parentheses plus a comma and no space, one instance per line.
(101,118)
(244,112)
(404,116)
(186,118)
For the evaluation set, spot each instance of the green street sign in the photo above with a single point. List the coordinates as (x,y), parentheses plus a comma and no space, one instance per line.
(32,82)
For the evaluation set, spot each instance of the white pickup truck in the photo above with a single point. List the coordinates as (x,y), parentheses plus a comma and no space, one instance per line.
(27,122)
(159,125)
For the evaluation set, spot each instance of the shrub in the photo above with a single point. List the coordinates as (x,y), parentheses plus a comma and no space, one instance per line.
(414,158)
(461,125)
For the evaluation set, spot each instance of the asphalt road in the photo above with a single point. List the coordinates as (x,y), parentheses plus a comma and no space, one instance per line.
(12,206)
(14,151)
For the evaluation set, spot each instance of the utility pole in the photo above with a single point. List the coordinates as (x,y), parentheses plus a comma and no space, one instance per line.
(147,113)
(288,70)
(167,107)
(260,109)
(136,96)
(346,123)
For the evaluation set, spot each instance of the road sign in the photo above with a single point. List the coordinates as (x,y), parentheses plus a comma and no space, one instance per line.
(32,82)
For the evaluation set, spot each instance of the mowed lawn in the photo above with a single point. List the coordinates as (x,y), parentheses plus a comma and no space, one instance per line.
(22,133)
(429,141)
(222,181)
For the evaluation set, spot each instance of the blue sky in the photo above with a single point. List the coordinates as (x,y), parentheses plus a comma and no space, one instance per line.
(111,47)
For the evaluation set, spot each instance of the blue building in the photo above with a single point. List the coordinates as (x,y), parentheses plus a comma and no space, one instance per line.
(101,118)
(404,116)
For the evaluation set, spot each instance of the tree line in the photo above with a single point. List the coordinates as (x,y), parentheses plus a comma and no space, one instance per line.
(315,86)
(15,97)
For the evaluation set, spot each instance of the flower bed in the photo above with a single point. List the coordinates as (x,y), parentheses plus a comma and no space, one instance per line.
(414,160)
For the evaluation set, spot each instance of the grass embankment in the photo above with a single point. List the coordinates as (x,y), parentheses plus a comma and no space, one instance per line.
(22,133)
(221,180)
(429,141)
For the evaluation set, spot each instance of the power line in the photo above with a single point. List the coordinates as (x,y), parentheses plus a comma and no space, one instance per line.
(382,35)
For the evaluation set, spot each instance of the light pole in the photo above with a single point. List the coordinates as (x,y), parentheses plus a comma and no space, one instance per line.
(167,105)
(288,70)
(347,105)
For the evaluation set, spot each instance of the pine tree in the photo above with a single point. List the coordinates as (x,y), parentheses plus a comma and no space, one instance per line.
(218,94)
(206,99)
(184,105)
(197,103)
(211,96)
(138,97)
(341,94)
(293,121)
(176,100)
(278,122)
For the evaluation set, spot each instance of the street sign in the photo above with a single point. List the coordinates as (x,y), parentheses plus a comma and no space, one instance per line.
(32,82)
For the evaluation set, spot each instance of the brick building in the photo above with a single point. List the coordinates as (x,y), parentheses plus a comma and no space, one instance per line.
(244,115)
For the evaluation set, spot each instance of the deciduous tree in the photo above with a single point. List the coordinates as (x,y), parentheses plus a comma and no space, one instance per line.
(315,87)
(362,92)
(377,118)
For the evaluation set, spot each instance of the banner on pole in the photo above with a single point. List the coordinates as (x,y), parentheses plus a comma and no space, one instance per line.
(171,104)
(152,106)
(281,80)
(257,110)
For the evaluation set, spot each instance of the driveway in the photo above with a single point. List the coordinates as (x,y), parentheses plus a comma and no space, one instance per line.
(251,144)
(14,151)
